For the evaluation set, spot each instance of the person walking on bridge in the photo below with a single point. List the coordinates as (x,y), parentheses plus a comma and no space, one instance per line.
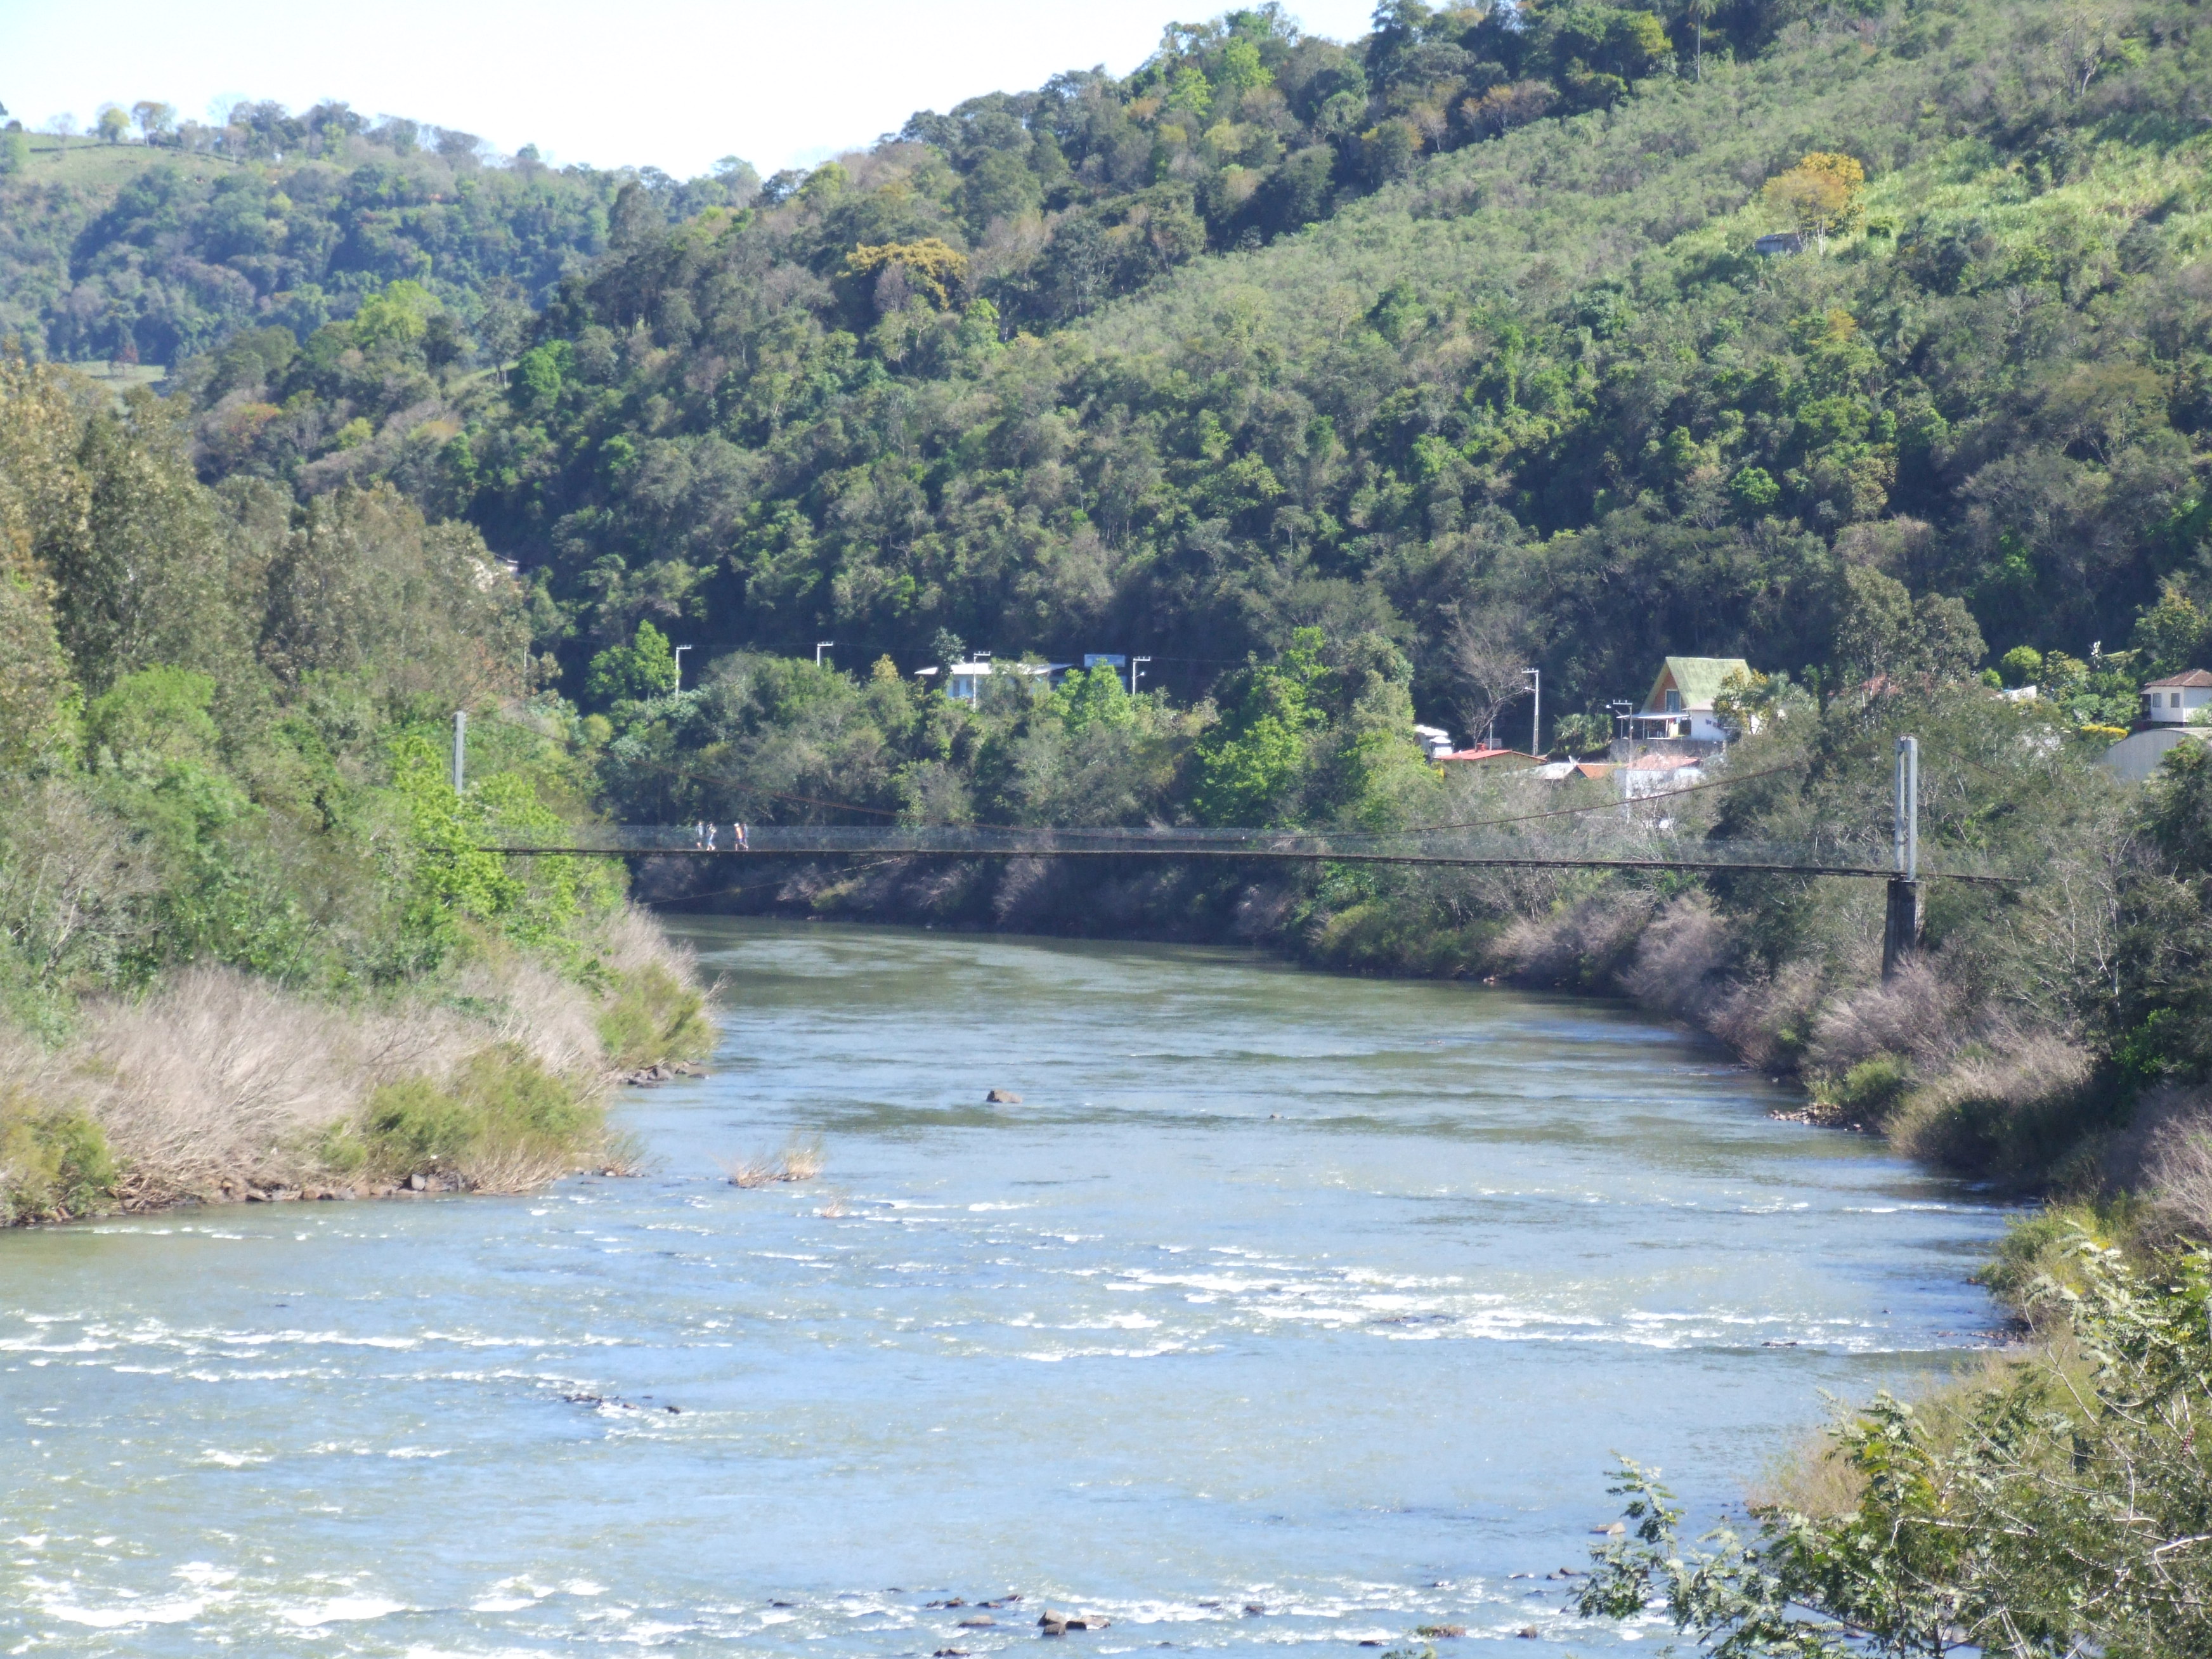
(738,841)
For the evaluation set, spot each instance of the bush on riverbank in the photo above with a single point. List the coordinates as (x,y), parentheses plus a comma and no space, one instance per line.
(654,1008)
(241,901)
(54,1164)
(2053,1503)
(213,1084)
(499,1121)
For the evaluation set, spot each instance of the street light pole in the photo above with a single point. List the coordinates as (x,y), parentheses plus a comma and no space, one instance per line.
(1536,716)
(1136,672)
(820,646)
(680,650)
(460,748)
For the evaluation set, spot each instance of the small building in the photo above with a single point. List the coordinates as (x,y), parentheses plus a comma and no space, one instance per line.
(1480,756)
(1435,741)
(964,680)
(1657,775)
(1571,770)
(2138,754)
(1680,704)
(1780,242)
(2175,700)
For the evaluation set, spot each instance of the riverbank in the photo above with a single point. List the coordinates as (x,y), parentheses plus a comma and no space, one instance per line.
(491,1075)
(1320,1294)
(2047,1037)
(1928,1061)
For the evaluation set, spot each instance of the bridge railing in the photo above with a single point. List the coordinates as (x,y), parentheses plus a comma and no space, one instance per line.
(1606,843)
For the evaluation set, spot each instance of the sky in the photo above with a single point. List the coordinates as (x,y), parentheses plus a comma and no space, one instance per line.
(675,84)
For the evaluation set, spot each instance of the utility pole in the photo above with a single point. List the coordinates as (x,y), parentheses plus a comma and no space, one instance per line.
(1536,717)
(1136,672)
(460,748)
(820,646)
(680,650)
(1900,932)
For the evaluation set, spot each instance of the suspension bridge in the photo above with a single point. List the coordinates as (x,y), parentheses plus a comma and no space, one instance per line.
(1593,836)
(1617,847)
(1590,836)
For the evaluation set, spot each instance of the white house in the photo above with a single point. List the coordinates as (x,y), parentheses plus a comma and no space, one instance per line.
(964,680)
(2175,700)
(1680,704)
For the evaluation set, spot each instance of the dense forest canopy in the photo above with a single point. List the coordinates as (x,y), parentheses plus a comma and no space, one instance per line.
(1451,342)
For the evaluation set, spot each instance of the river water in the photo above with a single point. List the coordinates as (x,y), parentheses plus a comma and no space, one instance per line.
(1329,1298)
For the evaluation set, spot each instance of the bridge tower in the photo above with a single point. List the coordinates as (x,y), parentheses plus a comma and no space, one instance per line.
(1900,932)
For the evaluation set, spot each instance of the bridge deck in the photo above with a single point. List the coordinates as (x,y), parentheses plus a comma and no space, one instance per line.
(1622,848)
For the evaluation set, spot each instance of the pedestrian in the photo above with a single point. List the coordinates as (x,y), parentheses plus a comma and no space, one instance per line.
(742,844)
(710,837)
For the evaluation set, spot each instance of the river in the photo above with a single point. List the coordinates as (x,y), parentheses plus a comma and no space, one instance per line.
(1329,1298)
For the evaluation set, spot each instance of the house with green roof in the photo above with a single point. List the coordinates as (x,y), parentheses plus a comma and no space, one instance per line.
(1680,708)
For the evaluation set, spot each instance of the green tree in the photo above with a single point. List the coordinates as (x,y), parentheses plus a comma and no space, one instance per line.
(1819,196)
(155,120)
(396,319)
(2174,636)
(1249,765)
(1582,734)
(643,669)
(2039,1515)
(2022,666)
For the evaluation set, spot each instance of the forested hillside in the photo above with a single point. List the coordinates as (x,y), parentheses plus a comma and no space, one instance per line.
(154,253)
(1527,395)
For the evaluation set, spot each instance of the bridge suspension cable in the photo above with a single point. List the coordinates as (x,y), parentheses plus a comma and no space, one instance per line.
(1628,849)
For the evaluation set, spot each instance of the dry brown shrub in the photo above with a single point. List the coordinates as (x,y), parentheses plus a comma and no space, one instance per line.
(514,1169)
(1999,1108)
(751,1171)
(1583,945)
(1680,960)
(218,1076)
(551,1020)
(2170,1146)
(1915,1014)
(801,1159)
(633,941)
(1764,1020)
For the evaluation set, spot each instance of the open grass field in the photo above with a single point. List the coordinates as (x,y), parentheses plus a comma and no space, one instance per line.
(90,163)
